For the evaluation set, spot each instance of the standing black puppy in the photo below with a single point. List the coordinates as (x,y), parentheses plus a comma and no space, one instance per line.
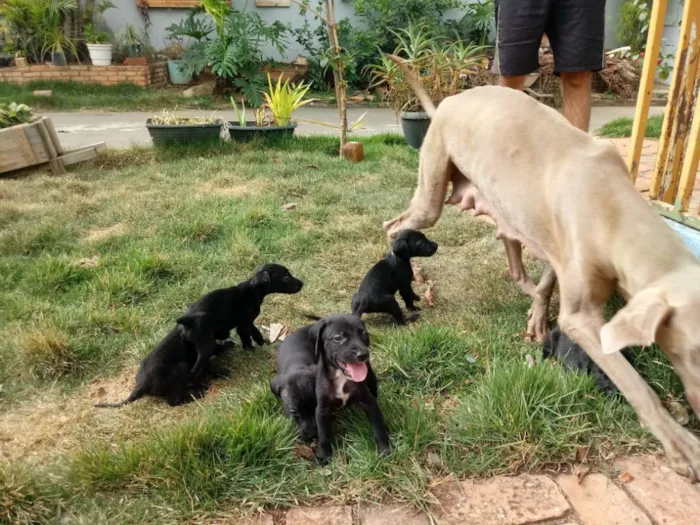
(392,274)
(560,347)
(213,316)
(336,348)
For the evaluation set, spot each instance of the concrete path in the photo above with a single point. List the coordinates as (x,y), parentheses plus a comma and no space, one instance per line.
(123,130)
(641,491)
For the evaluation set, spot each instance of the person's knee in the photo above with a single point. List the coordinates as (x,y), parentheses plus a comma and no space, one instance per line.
(577,80)
(513,82)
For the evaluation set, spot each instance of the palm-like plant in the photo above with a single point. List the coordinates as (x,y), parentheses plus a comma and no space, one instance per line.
(284,99)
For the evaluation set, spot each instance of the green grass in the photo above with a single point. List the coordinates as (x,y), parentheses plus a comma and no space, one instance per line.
(76,96)
(96,265)
(622,127)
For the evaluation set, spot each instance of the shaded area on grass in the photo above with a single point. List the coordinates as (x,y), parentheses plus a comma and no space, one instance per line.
(622,128)
(96,265)
(76,96)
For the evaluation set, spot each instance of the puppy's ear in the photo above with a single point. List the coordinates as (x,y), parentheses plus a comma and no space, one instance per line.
(637,323)
(261,278)
(550,345)
(401,249)
(316,334)
(276,385)
(190,320)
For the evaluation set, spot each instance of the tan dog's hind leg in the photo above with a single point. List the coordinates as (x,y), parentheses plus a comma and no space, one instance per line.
(541,294)
(581,318)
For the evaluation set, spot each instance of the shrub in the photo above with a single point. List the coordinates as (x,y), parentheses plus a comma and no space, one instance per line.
(633,25)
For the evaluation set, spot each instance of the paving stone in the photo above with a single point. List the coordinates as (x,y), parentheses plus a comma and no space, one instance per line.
(667,497)
(319,516)
(502,500)
(598,500)
(392,515)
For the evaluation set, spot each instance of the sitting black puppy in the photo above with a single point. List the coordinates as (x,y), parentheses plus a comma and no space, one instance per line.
(573,357)
(166,373)
(392,274)
(212,317)
(326,366)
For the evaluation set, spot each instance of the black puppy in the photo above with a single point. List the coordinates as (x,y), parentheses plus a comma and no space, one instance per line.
(180,365)
(560,347)
(166,373)
(326,366)
(392,274)
(212,317)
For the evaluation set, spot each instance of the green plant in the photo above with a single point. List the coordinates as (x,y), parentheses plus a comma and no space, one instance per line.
(167,118)
(240,114)
(235,55)
(444,68)
(633,25)
(36,26)
(12,114)
(134,42)
(475,25)
(93,36)
(284,99)
(194,26)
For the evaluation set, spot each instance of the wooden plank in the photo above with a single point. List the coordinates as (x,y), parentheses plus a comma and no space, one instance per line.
(272,3)
(675,130)
(54,135)
(57,167)
(82,154)
(646,85)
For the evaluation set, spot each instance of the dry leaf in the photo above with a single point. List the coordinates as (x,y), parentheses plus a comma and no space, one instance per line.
(429,295)
(418,274)
(89,262)
(289,206)
(304,451)
(312,166)
(581,472)
(625,477)
(581,454)
(679,412)
(276,330)
(283,334)
(530,361)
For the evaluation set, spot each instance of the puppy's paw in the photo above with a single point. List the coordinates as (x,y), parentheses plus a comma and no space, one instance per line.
(384,449)
(413,308)
(416,297)
(321,460)
(413,318)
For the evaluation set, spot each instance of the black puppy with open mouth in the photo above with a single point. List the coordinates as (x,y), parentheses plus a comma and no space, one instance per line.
(325,366)
(393,274)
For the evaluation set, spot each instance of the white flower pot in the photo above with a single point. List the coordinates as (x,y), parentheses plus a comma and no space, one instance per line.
(100,54)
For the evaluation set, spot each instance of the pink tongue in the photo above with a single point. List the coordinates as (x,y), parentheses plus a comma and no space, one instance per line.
(357,371)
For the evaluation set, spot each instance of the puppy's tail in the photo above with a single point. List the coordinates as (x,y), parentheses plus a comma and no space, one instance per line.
(416,85)
(136,394)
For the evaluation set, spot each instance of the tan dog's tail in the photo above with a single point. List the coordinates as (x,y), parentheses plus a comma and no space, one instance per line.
(416,85)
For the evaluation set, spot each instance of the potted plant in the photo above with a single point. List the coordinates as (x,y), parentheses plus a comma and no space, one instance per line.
(194,27)
(56,43)
(168,128)
(444,68)
(20,60)
(136,46)
(99,47)
(282,100)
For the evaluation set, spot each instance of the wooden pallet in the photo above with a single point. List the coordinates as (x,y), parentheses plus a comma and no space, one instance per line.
(36,143)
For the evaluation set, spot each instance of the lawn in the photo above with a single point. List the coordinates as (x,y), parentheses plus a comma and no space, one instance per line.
(77,96)
(622,127)
(96,265)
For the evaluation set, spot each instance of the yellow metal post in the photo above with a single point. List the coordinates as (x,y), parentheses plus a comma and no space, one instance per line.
(678,110)
(646,85)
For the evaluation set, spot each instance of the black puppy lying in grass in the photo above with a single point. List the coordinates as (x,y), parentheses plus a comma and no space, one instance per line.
(392,274)
(558,346)
(326,366)
(179,368)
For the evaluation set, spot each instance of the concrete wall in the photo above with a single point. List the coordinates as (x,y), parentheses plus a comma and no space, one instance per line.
(127,13)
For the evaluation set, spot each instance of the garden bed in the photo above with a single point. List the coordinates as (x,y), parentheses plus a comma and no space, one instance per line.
(153,74)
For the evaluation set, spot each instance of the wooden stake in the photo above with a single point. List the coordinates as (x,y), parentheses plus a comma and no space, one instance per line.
(352,151)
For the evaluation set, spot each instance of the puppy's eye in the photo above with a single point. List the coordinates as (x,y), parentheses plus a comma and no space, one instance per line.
(419,242)
(338,338)
(285,278)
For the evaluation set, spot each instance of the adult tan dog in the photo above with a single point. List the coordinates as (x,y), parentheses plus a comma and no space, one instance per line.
(568,198)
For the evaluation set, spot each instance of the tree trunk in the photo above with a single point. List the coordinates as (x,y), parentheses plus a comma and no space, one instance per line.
(338,77)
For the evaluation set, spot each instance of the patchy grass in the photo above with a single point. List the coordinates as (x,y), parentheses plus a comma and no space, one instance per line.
(96,265)
(77,96)
(622,127)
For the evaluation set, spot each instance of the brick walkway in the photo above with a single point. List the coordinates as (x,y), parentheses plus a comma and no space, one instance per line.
(645,492)
(646,168)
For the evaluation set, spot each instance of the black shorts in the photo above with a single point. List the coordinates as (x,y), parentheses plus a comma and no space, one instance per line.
(575,28)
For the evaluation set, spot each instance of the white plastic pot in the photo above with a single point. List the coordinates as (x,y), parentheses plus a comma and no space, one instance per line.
(100,54)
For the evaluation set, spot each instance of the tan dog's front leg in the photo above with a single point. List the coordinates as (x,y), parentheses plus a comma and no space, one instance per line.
(541,294)
(583,323)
